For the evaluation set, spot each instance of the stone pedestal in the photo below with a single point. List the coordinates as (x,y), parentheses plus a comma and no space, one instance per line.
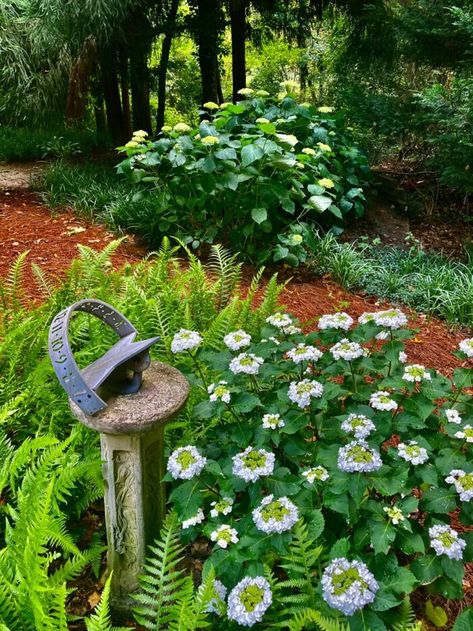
(131,437)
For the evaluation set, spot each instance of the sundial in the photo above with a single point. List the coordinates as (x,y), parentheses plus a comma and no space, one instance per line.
(119,370)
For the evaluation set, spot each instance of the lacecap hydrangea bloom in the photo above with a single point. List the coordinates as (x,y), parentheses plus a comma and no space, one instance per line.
(301,392)
(224,535)
(217,604)
(453,416)
(466,433)
(198,518)
(279,320)
(318,473)
(219,392)
(445,540)
(210,140)
(412,452)
(182,128)
(335,321)
(221,507)
(366,317)
(253,464)
(246,91)
(347,350)
(246,363)
(382,401)
(463,483)
(466,346)
(390,319)
(249,600)
(309,151)
(275,515)
(415,373)
(358,456)
(348,585)
(272,421)
(304,353)
(185,462)
(359,425)
(185,340)
(262,121)
(237,340)
(395,514)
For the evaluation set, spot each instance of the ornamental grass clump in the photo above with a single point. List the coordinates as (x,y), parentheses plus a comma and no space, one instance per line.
(332,468)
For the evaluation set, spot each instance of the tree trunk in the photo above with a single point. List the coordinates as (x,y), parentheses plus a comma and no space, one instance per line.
(125,92)
(163,64)
(139,50)
(111,92)
(208,38)
(79,80)
(238,27)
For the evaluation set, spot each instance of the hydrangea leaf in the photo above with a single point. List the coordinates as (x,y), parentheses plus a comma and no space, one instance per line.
(438,501)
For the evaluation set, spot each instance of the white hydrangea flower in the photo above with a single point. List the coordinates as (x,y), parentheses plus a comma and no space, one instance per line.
(279,320)
(224,535)
(275,515)
(453,416)
(304,353)
(394,514)
(291,330)
(382,335)
(185,340)
(253,464)
(366,317)
(381,400)
(347,350)
(463,483)
(466,433)
(237,340)
(391,318)
(246,363)
(301,392)
(185,462)
(272,421)
(219,392)
(245,91)
(412,452)
(466,346)
(318,473)
(416,373)
(249,600)
(198,518)
(221,507)
(445,540)
(348,585)
(402,357)
(217,604)
(335,321)
(182,128)
(358,456)
(359,425)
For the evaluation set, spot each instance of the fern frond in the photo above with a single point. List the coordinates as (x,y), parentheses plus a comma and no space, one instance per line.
(224,267)
(46,287)
(100,620)
(302,619)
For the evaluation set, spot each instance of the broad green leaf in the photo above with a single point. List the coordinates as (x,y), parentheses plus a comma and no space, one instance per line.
(251,153)
(437,615)
(259,215)
(320,202)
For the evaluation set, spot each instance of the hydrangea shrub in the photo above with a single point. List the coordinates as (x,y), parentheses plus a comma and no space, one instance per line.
(337,430)
(248,173)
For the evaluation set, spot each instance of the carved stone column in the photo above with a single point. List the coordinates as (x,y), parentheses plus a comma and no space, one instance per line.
(131,436)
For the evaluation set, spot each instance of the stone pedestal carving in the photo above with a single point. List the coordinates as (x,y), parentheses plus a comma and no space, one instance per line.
(131,436)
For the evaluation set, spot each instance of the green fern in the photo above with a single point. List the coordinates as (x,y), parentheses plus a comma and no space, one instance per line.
(100,620)
(224,267)
(310,616)
(404,618)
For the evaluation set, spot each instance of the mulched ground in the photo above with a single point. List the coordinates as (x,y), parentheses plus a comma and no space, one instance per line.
(52,239)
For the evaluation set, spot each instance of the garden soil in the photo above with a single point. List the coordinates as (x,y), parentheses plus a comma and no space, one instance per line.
(52,239)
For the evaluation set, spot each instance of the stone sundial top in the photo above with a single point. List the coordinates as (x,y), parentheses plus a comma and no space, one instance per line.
(119,370)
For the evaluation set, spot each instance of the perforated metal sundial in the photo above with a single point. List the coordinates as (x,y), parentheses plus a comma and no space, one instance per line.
(119,370)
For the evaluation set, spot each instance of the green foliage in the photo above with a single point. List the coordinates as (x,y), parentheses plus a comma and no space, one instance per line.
(247,173)
(100,619)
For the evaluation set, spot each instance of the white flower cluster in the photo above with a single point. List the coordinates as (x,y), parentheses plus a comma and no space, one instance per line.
(445,540)
(252,464)
(249,600)
(275,515)
(347,350)
(335,321)
(382,335)
(237,340)
(280,321)
(301,392)
(358,456)
(272,421)
(246,363)
(348,585)
(303,353)
(366,317)
(416,373)
(185,340)
(224,535)
(412,452)
(466,433)
(221,507)
(217,604)
(466,346)
(402,357)
(463,483)
(198,518)
(219,392)
(394,514)
(185,462)
(391,318)
(318,473)
(359,425)
(453,416)
(382,401)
